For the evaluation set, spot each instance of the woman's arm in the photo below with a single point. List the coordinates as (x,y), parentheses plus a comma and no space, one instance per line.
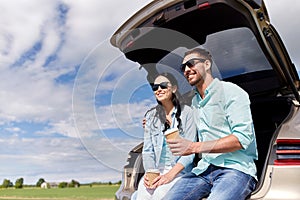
(168,177)
(148,151)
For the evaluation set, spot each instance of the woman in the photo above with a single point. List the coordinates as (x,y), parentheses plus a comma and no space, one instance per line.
(169,113)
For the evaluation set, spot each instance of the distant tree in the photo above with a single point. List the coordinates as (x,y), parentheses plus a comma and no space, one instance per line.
(40,181)
(62,185)
(19,183)
(74,183)
(6,183)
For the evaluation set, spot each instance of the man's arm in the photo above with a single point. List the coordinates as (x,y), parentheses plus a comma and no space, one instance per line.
(223,145)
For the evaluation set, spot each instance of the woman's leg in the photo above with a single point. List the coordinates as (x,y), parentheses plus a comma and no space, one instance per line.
(162,190)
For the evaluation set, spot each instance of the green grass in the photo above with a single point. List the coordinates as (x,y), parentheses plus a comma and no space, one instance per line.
(82,193)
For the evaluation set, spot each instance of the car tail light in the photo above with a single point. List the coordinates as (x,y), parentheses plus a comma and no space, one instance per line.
(129,44)
(203,6)
(288,152)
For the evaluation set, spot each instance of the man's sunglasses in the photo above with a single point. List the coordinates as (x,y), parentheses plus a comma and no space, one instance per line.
(191,63)
(162,85)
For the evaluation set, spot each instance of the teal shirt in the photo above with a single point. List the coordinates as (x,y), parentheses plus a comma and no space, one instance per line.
(166,156)
(225,110)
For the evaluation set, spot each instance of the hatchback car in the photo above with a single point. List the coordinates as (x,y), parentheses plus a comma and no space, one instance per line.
(247,51)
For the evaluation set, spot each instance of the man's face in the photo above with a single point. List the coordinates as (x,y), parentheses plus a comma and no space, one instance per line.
(194,70)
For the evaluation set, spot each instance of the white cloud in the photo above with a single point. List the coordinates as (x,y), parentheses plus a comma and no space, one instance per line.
(54,159)
(13,129)
(27,97)
(123,116)
(22,22)
(284,17)
(30,92)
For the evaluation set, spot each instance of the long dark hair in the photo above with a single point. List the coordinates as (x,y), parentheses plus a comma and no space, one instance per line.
(160,112)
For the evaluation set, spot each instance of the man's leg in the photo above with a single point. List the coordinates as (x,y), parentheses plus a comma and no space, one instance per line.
(188,187)
(230,184)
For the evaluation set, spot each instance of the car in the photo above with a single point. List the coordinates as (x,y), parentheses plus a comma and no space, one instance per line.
(246,50)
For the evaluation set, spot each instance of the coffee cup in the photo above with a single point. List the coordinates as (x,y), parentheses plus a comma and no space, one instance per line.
(172,133)
(151,175)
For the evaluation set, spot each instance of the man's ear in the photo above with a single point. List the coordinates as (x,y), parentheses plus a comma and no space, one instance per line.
(207,65)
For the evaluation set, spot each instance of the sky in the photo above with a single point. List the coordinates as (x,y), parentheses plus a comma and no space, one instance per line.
(70,104)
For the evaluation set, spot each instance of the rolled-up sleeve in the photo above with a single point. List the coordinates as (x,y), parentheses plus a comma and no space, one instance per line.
(239,117)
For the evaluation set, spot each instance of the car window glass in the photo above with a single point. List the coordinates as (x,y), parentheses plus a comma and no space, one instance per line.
(235,52)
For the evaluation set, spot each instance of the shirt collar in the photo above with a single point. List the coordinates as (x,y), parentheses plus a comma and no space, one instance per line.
(208,92)
(210,87)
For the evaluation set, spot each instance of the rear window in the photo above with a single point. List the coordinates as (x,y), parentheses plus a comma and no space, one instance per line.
(234,51)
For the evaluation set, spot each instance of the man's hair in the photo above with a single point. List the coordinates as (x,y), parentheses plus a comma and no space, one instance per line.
(201,52)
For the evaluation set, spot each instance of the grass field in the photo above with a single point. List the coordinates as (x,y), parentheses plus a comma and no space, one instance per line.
(98,192)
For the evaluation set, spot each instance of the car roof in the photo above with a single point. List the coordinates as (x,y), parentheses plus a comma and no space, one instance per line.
(162,26)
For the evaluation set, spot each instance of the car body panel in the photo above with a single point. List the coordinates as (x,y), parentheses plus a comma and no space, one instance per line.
(280,183)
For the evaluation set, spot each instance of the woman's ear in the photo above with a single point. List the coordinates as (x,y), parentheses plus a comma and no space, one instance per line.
(174,88)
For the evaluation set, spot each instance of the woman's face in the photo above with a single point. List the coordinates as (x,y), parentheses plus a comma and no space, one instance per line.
(164,89)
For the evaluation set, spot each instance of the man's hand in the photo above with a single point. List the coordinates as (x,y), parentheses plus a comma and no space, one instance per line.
(181,146)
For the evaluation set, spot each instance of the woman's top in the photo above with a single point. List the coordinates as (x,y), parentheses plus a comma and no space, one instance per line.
(156,153)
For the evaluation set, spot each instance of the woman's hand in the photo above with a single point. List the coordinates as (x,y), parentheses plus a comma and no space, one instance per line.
(166,178)
(161,180)
(155,183)
(146,181)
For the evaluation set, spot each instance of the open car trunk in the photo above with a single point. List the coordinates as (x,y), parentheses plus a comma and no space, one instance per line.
(246,49)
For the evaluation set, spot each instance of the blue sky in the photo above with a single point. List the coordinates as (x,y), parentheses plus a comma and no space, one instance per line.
(70,104)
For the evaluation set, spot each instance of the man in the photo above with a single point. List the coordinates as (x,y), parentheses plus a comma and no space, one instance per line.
(226,137)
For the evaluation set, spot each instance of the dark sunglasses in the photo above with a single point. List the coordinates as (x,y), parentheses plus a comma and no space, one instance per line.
(162,85)
(191,63)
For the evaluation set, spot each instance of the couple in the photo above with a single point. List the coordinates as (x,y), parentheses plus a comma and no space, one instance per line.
(221,117)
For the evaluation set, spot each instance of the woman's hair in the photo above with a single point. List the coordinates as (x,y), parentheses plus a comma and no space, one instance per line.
(160,112)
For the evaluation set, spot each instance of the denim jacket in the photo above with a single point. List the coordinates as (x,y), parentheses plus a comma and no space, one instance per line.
(153,139)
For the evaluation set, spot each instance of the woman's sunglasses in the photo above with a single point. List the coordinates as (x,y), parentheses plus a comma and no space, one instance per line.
(191,63)
(162,85)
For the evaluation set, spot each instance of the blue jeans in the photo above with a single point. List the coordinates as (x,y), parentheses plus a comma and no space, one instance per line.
(216,183)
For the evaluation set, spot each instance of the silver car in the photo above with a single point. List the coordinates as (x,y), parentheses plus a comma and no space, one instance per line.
(247,51)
